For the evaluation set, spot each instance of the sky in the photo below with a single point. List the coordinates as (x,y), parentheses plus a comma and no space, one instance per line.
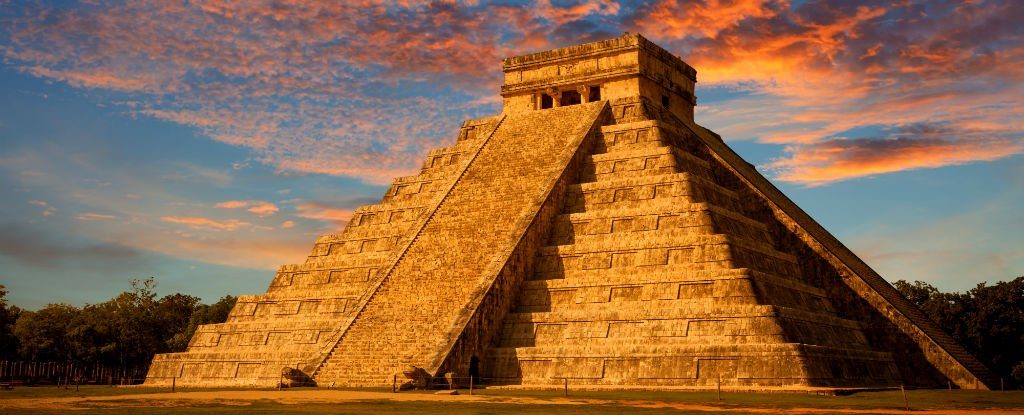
(204,143)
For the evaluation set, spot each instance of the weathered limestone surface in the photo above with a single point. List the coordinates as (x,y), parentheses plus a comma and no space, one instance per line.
(300,318)
(460,249)
(653,276)
(594,233)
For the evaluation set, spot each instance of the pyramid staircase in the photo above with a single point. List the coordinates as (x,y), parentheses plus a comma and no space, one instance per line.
(460,249)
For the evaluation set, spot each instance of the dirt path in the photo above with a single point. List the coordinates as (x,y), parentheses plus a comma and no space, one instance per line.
(241,398)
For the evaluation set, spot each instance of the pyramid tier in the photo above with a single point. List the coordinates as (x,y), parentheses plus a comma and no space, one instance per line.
(243,368)
(695,218)
(636,191)
(693,365)
(329,270)
(739,285)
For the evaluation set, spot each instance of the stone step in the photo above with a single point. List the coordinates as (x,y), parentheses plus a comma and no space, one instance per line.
(629,192)
(660,238)
(664,295)
(649,160)
(654,217)
(682,274)
(619,337)
(682,349)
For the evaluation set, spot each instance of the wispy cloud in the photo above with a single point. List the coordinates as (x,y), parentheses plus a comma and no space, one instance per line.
(259,207)
(955,251)
(173,220)
(26,245)
(254,250)
(907,148)
(812,72)
(200,223)
(694,19)
(308,86)
(337,216)
(47,209)
(95,216)
(329,88)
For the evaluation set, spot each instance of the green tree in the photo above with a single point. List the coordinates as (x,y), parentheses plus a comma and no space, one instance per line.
(124,331)
(134,314)
(8,317)
(43,334)
(988,320)
(994,329)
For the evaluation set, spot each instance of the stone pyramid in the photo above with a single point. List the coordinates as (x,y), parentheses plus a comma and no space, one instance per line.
(590,233)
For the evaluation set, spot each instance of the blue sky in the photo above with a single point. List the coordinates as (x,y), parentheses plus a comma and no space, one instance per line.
(205,144)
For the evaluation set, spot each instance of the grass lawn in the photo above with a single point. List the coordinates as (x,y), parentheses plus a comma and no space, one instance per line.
(107,400)
(919,399)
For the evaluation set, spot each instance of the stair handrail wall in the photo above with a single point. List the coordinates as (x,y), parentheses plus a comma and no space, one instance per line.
(318,361)
(573,152)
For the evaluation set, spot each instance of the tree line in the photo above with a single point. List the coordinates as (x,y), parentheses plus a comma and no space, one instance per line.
(127,330)
(988,320)
(123,332)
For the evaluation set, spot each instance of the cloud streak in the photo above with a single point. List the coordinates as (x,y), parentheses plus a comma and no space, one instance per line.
(310,87)
(834,160)
(27,246)
(47,209)
(363,90)
(324,212)
(200,223)
(95,216)
(821,69)
(259,207)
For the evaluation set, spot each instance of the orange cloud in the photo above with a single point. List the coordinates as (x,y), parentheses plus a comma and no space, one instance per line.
(223,66)
(258,207)
(810,74)
(262,250)
(835,160)
(795,60)
(361,81)
(47,209)
(95,216)
(324,212)
(232,204)
(574,12)
(199,223)
(679,19)
(97,78)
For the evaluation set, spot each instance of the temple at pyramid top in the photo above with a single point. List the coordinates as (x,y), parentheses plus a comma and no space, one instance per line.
(623,67)
(590,233)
